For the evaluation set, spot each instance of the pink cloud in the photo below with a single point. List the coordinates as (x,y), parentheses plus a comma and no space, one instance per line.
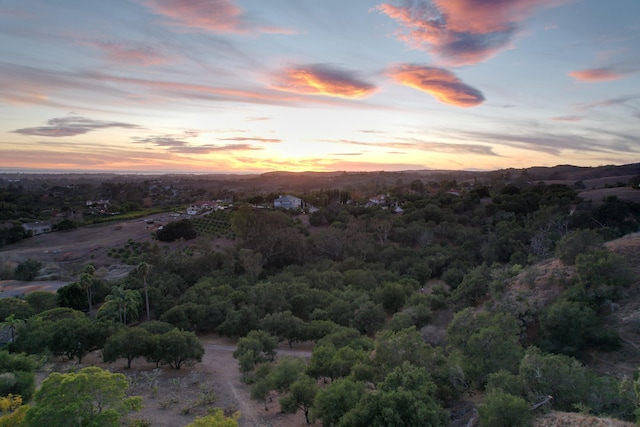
(320,79)
(566,118)
(441,83)
(212,15)
(596,75)
(461,32)
(134,54)
(222,16)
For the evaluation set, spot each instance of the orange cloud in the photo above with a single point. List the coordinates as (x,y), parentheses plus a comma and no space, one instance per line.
(320,79)
(441,83)
(461,32)
(596,75)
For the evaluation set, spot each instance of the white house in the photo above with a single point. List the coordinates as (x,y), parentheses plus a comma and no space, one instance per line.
(37,227)
(287,202)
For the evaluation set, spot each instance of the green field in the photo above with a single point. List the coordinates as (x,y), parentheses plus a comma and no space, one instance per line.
(215,224)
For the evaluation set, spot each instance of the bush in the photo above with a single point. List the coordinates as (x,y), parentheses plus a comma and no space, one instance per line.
(27,270)
(175,230)
(575,243)
(501,409)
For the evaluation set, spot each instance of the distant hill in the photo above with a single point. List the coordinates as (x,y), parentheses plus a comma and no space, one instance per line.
(300,182)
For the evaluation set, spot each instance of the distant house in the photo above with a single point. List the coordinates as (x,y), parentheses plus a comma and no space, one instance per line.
(201,206)
(378,200)
(287,202)
(37,227)
(104,203)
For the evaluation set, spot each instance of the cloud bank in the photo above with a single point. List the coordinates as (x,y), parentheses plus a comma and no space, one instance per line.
(461,32)
(441,83)
(322,79)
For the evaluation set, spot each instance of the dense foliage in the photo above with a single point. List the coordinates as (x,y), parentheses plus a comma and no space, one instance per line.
(370,284)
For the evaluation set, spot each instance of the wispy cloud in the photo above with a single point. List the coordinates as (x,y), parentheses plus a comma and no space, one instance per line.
(213,148)
(131,53)
(406,144)
(461,32)
(322,79)
(221,16)
(184,144)
(596,75)
(441,83)
(566,118)
(163,141)
(72,126)
(249,139)
(194,91)
(607,102)
(588,140)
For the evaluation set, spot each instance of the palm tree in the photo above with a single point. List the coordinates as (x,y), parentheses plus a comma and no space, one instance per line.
(12,323)
(143,270)
(120,303)
(86,280)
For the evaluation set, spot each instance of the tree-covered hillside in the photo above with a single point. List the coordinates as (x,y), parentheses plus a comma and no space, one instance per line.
(415,298)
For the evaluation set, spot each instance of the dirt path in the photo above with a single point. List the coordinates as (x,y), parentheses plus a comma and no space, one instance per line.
(174,398)
(219,360)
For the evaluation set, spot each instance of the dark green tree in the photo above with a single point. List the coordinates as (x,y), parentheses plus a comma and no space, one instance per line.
(285,326)
(576,243)
(335,400)
(27,270)
(257,347)
(301,396)
(15,307)
(405,398)
(17,374)
(182,229)
(41,300)
(500,409)
(178,348)
(128,343)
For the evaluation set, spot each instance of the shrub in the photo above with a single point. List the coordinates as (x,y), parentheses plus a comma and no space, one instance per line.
(500,409)
(27,270)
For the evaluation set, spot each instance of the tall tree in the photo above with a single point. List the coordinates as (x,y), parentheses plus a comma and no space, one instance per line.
(121,304)
(86,280)
(143,270)
(301,397)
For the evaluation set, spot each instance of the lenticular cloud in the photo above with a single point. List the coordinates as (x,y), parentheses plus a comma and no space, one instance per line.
(445,86)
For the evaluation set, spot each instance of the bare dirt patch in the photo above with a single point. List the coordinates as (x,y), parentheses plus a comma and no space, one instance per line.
(173,398)
(64,254)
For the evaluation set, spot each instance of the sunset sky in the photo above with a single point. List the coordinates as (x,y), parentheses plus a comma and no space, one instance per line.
(236,86)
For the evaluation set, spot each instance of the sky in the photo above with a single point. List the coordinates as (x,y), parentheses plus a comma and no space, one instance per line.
(251,86)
